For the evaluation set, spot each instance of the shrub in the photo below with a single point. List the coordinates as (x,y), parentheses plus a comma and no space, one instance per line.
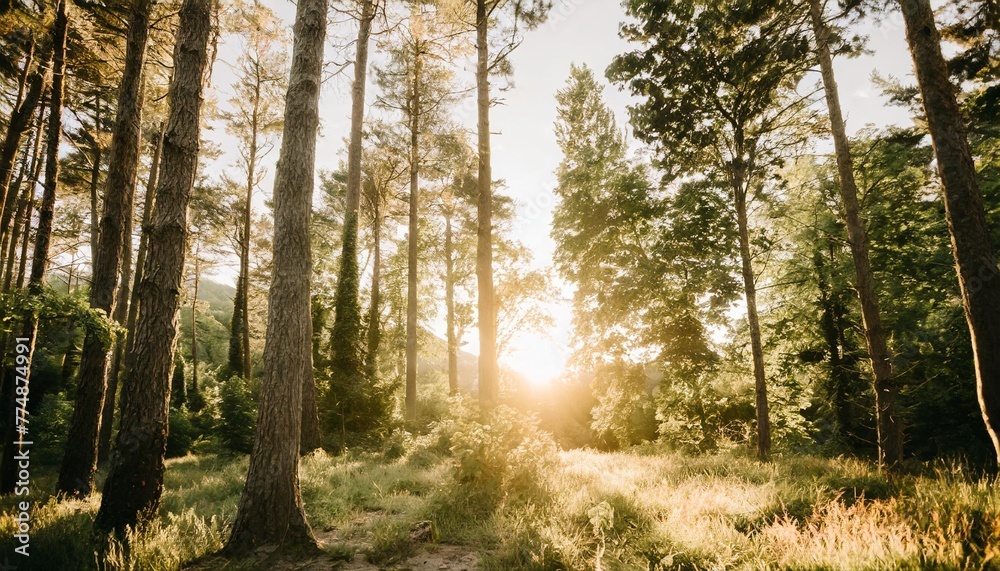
(50,427)
(238,413)
(502,461)
(182,433)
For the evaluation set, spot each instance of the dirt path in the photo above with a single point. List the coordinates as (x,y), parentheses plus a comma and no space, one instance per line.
(428,558)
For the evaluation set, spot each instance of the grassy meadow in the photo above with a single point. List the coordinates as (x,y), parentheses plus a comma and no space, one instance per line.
(502,496)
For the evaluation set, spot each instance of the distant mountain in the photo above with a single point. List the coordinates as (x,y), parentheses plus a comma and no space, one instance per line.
(219,298)
(433,357)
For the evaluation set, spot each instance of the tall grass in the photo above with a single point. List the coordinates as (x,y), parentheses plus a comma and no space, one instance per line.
(731,512)
(579,509)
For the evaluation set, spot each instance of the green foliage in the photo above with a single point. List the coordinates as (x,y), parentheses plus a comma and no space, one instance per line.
(639,510)
(910,247)
(181,433)
(818,353)
(346,345)
(625,410)
(235,356)
(213,335)
(723,102)
(704,412)
(500,460)
(355,409)
(237,416)
(50,426)
(178,386)
(49,305)
(625,245)
(390,543)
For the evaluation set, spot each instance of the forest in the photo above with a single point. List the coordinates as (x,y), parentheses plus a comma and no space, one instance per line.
(499,284)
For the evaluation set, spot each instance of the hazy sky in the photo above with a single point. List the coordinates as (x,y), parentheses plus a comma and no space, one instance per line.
(525,153)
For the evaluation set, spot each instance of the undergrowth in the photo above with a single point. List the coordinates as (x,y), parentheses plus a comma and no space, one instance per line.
(500,487)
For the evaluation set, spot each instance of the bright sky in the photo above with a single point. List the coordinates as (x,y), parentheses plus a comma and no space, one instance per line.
(525,151)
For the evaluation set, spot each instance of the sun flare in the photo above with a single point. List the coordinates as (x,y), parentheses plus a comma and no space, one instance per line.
(538,358)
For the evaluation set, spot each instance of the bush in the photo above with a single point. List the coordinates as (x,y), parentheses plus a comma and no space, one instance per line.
(238,413)
(504,461)
(699,410)
(181,434)
(50,427)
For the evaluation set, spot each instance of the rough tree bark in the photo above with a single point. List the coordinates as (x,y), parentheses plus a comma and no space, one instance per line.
(975,257)
(46,214)
(22,78)
(122,345)
(22,219)
(135,479)
(76,475)
(149,203)
(270,511)
(120,316)
(489,373)
(890,437)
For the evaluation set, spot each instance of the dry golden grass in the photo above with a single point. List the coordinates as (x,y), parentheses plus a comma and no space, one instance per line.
(609,511)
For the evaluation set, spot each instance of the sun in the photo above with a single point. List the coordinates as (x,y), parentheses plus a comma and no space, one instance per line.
(540,359)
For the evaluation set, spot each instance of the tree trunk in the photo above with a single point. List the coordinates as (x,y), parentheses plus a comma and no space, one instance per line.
(245,316)
(270,510)
(756,346)
(22,220)
(244,278)
(890,437)
(46,214)
(412,242)
(147,218)
(25,241)
(354,149)
(133,306)
(236,331)
(14,190)
(489,374)
(310,434)
(76,475)
(135,479)
(16,198)
(449,298)
(22,79)
(118,354)
(971,242)
(374,307)
(20,120)
(346,331)
(95,180)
